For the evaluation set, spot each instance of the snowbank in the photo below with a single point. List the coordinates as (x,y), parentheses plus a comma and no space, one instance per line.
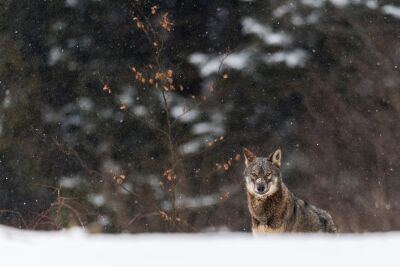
(76,248)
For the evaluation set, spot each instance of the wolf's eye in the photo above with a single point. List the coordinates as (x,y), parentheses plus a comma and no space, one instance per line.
(268,174)
(254,174)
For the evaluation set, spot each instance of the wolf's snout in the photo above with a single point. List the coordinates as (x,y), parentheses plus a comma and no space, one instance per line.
(260,188)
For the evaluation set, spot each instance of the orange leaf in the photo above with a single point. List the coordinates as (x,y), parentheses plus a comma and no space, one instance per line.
(119,179)
(154,9)
(169,73)
(165,23)
(226,166)
(170,175)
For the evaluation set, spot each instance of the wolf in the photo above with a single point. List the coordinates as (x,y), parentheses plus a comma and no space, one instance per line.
(273,208)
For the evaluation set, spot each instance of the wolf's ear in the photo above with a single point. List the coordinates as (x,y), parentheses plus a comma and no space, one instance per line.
(248,156)
(276,157)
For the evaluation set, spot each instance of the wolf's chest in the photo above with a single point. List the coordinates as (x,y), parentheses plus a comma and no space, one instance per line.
(262,228)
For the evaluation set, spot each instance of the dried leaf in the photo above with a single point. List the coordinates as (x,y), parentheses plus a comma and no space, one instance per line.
(159,76)
(119,179)
(138,76)
(139,24)
(164,215)
(225,196)
(106,88)
(170,73)
(165,23)
(154,10)
(170,175)
(226,166)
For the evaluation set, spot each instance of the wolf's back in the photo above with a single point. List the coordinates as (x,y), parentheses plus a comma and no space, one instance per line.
(309,218)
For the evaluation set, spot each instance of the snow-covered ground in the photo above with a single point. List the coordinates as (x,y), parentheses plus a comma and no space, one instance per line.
(76,248)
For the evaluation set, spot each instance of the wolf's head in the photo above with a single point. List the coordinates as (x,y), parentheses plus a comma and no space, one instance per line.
(262,175)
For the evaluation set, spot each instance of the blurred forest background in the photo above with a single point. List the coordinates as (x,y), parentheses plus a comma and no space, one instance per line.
(130,116)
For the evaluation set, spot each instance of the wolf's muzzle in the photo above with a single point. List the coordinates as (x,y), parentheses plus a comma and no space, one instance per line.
(261,188)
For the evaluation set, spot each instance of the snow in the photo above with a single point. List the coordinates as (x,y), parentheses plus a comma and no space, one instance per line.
(126,97)
(184,113)
(314,3)
(243,59)
(97,199)
(292,58)
(340,3)
(283,10)
(85,104)
(140,110)
(77,248)
(212,64)
(207,127)
(209,64)
(391,10)
(372,4)
(185,202)
(190,147)
(71,3)
(70,182)
(56,54)
(264,32)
